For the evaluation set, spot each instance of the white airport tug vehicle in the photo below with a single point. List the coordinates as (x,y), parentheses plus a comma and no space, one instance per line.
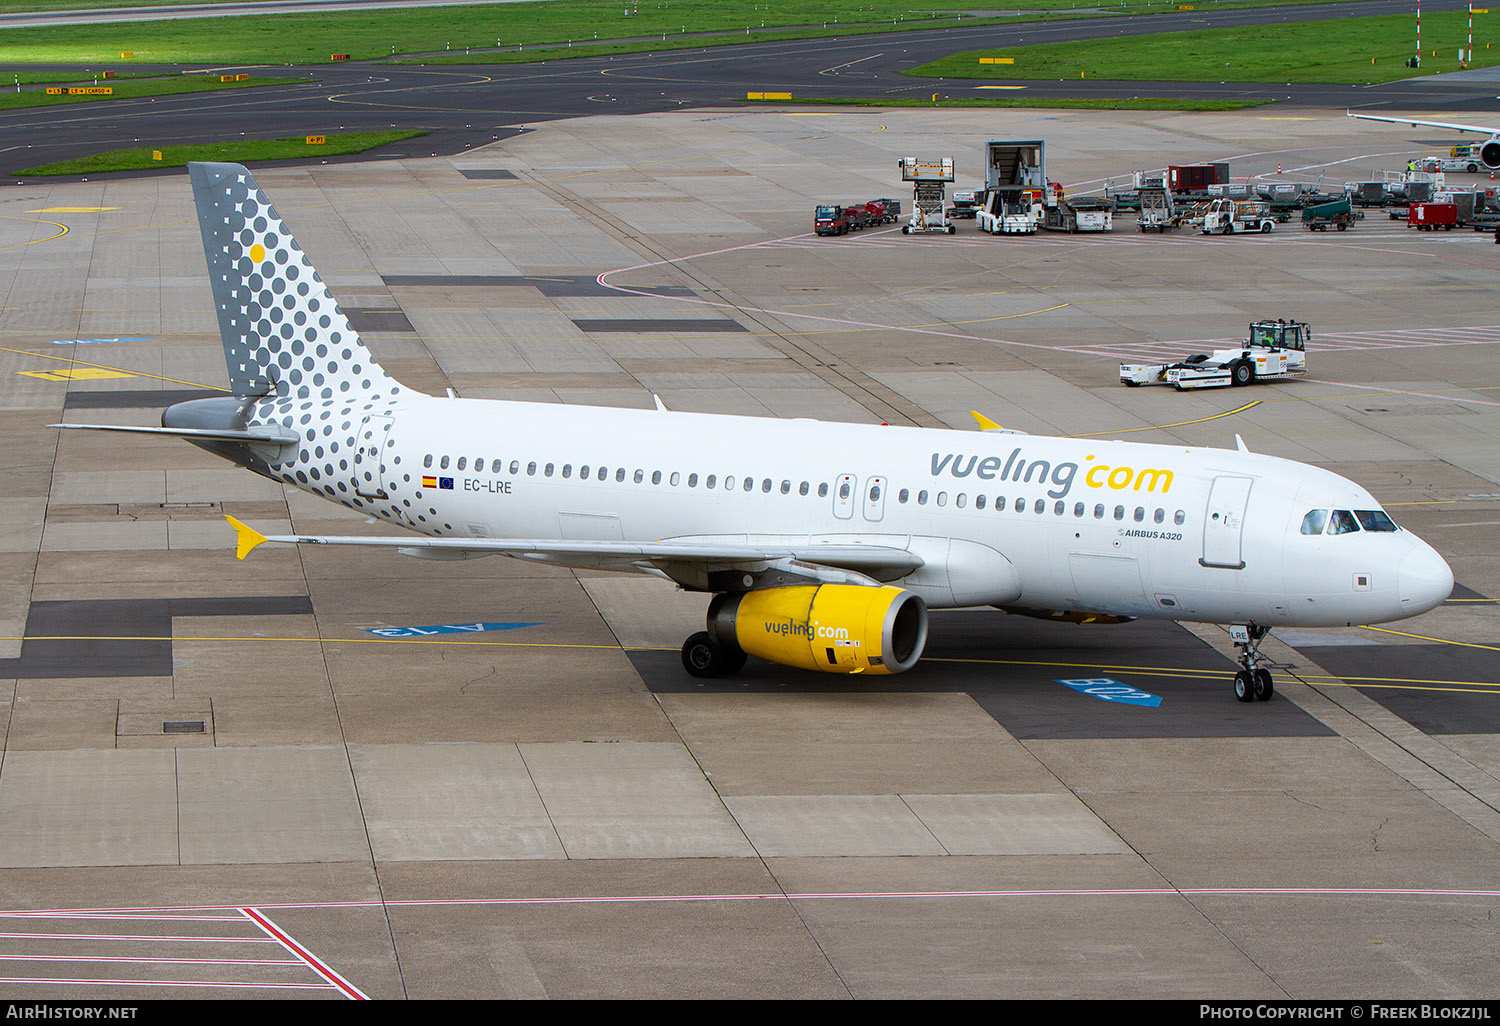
(1237,217)
(1275,349)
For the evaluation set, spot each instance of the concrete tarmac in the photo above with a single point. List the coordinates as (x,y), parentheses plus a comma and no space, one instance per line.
(332,772)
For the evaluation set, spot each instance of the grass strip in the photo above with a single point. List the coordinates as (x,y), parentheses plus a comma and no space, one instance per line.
(1346,51)
(446,32)
(240,151)
(135,88)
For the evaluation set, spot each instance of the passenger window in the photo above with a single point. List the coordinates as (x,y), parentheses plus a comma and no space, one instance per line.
(802,488)
(620,474)
(1179,518)
(710,481)
(765,486)
(786,488)
(1040,506)
(844,490)
(1159,516)
(567,470)
(640,475)
(515,466)
(1119,512)
(462,461)
(1342,522)
(749,484)
(960,500)
(823,490)
(728,483)
(1098,511)
(547,470)
(531,469)
(979,502)
(903,495)
(443,463)
(942,498)
(427,461)
(1315,521)
(922,498)
(656,477)
(1020,505)
(692,480)
(1058,507)
(583,472)
(1140,514)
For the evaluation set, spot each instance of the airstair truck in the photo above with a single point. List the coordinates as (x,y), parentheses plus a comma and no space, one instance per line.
(1015,178)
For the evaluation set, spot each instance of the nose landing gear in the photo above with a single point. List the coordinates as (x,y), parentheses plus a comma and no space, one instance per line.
(1253,682)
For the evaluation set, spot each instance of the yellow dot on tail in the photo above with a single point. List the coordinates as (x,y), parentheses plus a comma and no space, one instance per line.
(257,252)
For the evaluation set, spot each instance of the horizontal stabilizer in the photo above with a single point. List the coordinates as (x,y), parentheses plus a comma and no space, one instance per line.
(269,435)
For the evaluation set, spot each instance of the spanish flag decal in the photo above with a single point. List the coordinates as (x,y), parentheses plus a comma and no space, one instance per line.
(429,482)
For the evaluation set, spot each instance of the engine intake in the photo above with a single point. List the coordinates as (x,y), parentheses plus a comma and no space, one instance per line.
(1490,154)
(834,628)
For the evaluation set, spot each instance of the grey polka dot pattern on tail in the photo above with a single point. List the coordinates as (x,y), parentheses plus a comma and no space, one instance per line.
(286,340)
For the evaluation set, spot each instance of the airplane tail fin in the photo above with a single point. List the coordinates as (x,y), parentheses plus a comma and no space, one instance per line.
(283,334)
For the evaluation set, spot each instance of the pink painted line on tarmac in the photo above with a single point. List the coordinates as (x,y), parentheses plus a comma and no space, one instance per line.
(307,957)
(48,981)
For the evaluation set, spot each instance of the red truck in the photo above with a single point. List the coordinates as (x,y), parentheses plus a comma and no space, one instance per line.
(831,219)
(1430,217)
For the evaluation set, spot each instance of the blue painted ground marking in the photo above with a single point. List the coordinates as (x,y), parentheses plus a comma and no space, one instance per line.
(1107,690)
(446,628)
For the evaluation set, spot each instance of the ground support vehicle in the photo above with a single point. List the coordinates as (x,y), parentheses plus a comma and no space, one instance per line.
(929,180)
(966,203)
(1273,349)
(1007,212)
(1319,217)
(1237,217)
(1429,217)
(1079,216)
(1196,178)
(830,219)
(1157,211)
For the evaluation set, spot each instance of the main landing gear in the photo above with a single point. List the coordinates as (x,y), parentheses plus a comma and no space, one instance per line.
(702,656)
(1253,682)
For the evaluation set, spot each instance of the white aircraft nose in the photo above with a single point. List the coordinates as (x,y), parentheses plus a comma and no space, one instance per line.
(1423,580)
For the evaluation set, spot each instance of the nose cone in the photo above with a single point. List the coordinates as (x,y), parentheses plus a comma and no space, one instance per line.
(1423,580)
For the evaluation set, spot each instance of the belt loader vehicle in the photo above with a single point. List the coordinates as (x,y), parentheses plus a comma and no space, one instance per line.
(1274,349)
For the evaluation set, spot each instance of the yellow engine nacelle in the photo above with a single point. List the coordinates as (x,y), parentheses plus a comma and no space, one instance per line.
(835,628)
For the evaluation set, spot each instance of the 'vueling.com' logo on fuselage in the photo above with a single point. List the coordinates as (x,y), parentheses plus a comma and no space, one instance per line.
(1059,475)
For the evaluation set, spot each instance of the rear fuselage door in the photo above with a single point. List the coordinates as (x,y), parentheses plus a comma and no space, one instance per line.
(369,456)
(1224,522)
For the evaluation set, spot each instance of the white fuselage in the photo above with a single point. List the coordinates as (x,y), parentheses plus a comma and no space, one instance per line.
(998,518)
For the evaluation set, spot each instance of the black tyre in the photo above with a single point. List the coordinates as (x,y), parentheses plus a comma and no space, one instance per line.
(1264,686)
(1265,227)
(701,657)
(1242,373)
(1244,687)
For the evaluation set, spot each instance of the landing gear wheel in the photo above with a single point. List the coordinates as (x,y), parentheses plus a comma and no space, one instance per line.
(1264,686)
(1244,687)
(701,657)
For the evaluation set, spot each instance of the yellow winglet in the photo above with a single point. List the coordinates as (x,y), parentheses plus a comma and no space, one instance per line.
(248,537)
(985,424)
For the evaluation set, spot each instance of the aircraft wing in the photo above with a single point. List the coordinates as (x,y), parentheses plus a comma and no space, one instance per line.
(1485,129)
(878,561)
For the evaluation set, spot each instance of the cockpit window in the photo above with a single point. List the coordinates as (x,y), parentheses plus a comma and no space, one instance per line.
(1342,522)
(1374,520)
(1315,521)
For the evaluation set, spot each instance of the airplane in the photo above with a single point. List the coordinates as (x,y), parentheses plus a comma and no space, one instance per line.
(823,545)
(1489,152)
